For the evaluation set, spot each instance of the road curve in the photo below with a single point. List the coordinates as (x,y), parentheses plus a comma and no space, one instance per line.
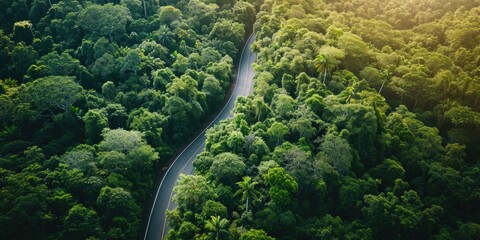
(157,226)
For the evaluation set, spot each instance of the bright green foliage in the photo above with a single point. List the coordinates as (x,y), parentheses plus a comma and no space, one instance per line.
(168,14)
(328,58)
(247,190)
(120,140)
(178,110)
(162,77)
(131,62)
(388,211)
(108,90)
(227,30)
(356,52)
(217,227)
(236,141)
(284,105)
(282,185)
(192,192)
(254,234)
(244,13)
(362,124)
(187,230)
(213,91)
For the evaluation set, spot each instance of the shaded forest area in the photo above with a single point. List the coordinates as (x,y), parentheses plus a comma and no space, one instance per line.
(363,124)
(95,97)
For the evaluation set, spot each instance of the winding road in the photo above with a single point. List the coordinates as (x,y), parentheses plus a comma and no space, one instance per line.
(157,227)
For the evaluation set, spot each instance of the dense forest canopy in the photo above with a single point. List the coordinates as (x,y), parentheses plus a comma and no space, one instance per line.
(95,97)
(363,124)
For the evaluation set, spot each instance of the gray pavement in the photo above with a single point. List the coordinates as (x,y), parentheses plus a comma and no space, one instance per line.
(157,226)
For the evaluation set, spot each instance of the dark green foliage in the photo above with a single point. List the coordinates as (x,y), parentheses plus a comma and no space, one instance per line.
(81,222)
(227,168)
(104,20)
(363,123)
(95,122)
(95,96)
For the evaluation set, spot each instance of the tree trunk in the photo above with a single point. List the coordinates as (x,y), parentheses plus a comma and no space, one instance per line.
(379,91)
(246,209)
(144,9)
(324,75)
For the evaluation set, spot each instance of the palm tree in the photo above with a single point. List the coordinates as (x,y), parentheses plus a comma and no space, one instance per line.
(247,189)
(165,36)
(324,64)
(217,226)
(388,75)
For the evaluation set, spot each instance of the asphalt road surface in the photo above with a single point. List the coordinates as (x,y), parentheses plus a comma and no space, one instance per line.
(157,226)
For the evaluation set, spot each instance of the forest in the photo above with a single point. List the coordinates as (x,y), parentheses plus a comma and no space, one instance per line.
(363,123)
(95,98)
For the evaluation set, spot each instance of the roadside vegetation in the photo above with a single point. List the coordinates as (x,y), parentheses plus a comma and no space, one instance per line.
(95,97)
(363,124)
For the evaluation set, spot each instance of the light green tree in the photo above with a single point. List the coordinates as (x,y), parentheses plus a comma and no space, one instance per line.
(105,20)
(254,234)
(192,192)
(282,185)
(327,59)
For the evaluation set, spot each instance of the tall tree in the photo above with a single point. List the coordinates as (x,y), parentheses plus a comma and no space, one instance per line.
(95,122)
(105,20)
(192,192)
(53,93)
(328,58)
(247,190)
(217,226)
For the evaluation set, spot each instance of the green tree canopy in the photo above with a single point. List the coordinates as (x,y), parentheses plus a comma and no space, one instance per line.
(247,190)
(227,167)
(192,192)
(120,140)
(282,185)
(105,20)
(53,93)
